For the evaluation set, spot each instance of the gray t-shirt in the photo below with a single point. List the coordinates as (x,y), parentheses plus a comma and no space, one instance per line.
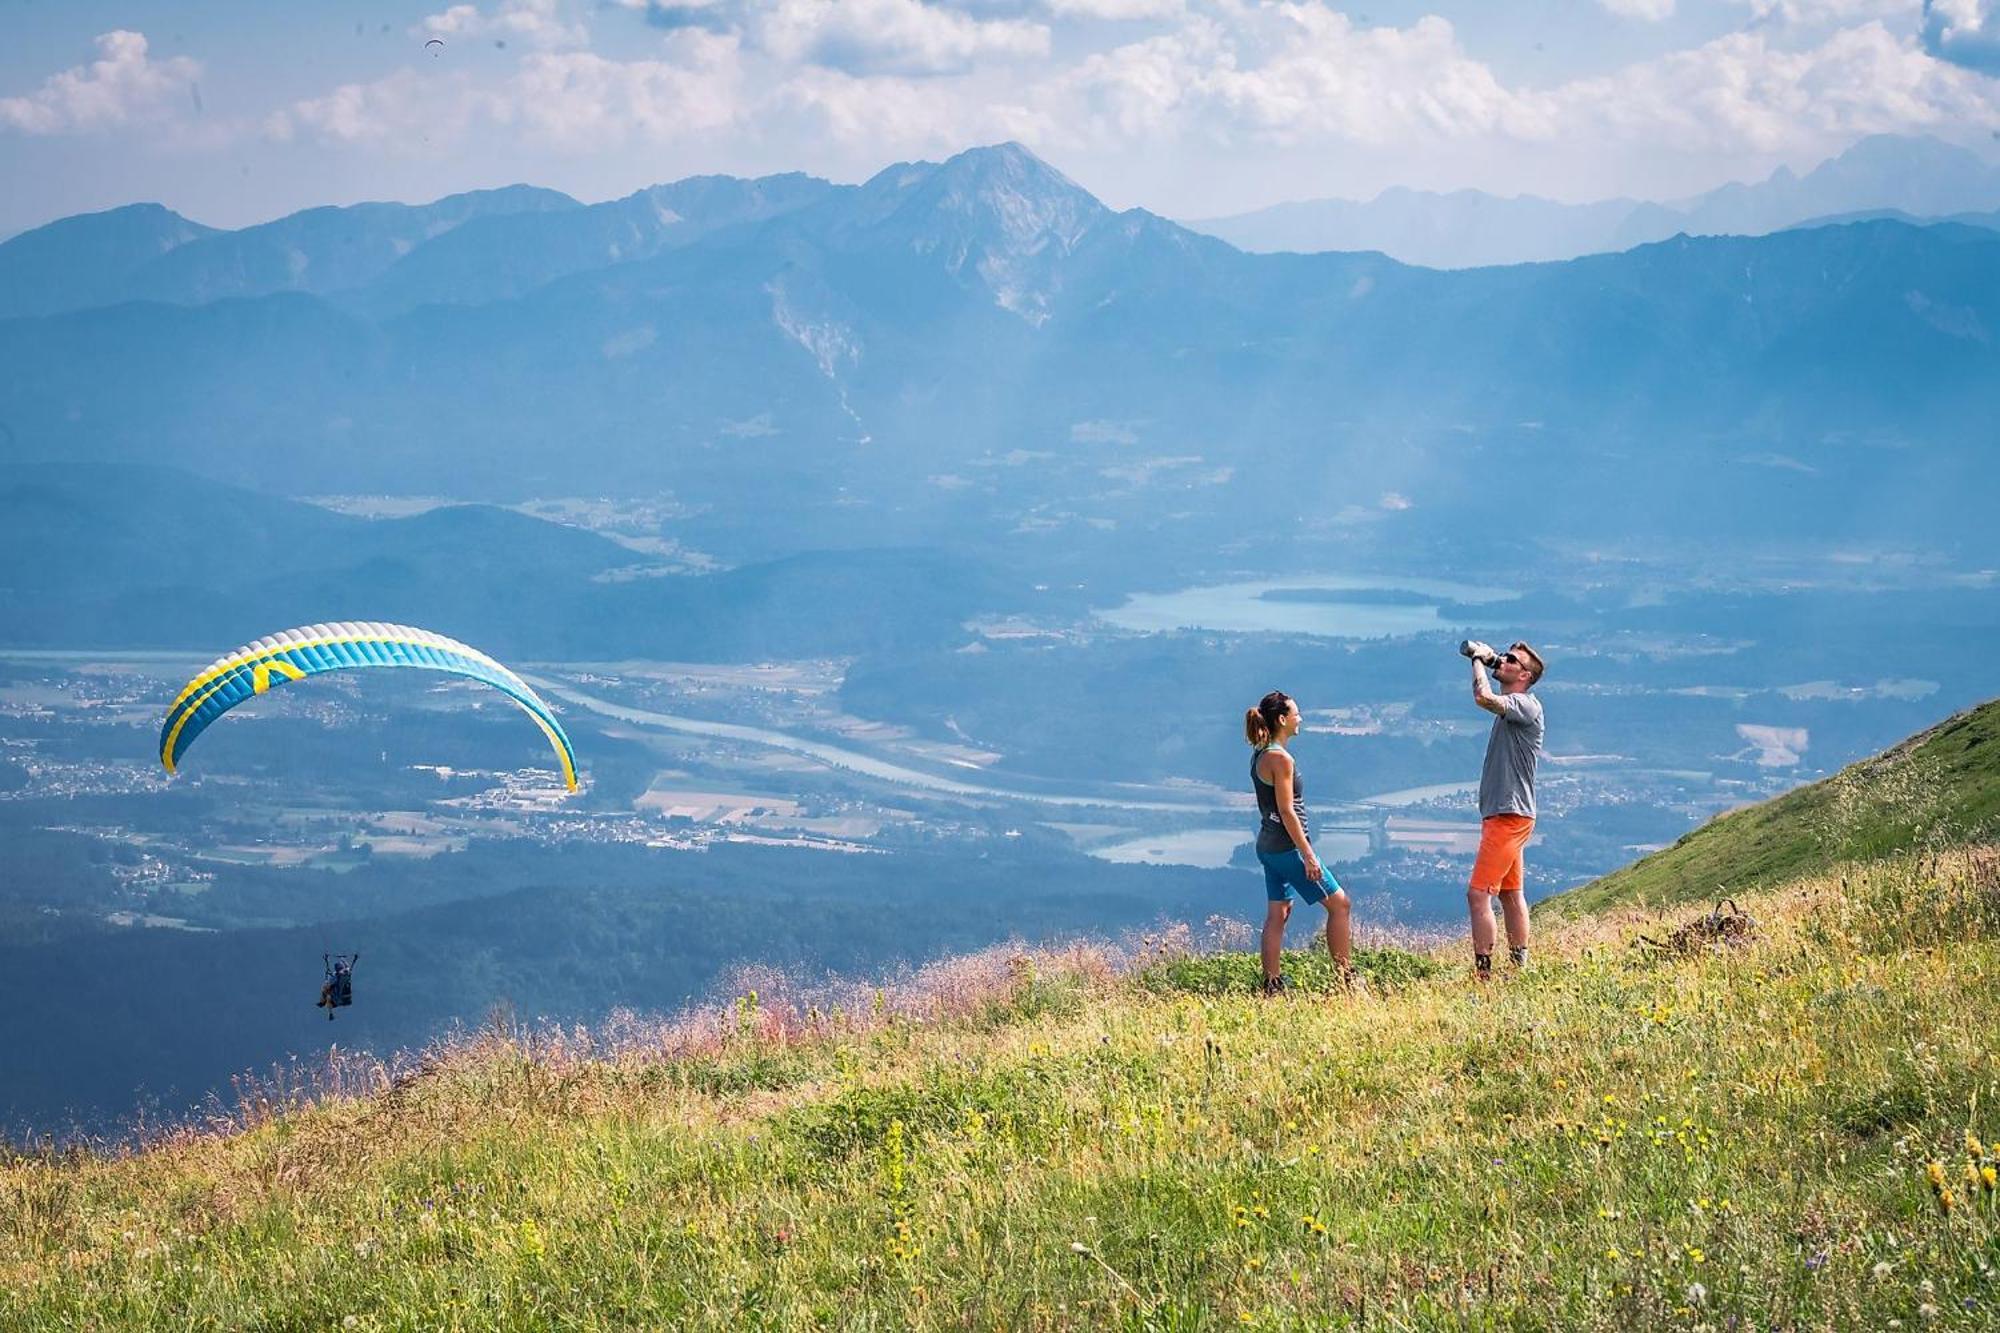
(1507,782)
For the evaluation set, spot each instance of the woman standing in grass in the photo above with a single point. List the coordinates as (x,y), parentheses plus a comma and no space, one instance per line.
(1283,844)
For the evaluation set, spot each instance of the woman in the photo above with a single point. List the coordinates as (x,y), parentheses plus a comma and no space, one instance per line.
(1282,841)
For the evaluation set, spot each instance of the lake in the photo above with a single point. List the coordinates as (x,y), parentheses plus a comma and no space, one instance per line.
(1211,848)
(1315,606)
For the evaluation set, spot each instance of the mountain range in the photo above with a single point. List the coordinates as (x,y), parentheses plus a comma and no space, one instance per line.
(1911,176)
(979,353)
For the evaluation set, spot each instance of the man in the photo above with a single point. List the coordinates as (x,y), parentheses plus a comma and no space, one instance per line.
(1506,798)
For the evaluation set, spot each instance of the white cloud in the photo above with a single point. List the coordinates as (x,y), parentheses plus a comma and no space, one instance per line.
(122,85)
(1818,13)
(1121,11)
(560,99)
(1964,32)
(1302,75)
(543,25)
(891,36)
(580,100)
(404,111)
(1741,92)
(1301,72)
(1652,11)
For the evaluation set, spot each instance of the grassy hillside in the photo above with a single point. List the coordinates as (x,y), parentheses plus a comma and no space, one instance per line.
(1793,1135)
(1938,789)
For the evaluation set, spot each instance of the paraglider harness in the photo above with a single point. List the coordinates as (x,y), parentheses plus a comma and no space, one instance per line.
(338,992)
(1718,929)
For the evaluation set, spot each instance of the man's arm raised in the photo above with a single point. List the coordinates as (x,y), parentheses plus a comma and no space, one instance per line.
(1482,690)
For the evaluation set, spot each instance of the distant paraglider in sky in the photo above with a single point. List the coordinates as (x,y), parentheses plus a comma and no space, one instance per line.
(297,653)
(435,46)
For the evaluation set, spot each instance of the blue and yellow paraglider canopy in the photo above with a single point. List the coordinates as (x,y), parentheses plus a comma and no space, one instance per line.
(298,653)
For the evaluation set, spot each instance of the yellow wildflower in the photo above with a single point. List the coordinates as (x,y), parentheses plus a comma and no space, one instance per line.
(1986,1175)
(1936,1173)
(1973,1147)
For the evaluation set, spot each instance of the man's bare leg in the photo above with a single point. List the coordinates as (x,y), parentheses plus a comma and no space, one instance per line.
(1480,903)
(1514,908)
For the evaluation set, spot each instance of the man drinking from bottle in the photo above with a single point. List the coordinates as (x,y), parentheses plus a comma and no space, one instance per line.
(1506,796)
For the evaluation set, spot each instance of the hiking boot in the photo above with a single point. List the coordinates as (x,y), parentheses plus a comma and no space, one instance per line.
(1482,966)
(1351,982)
(1276,986)
(1518,955)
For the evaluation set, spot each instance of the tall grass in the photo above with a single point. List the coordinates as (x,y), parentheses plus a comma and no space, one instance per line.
(1792,1134)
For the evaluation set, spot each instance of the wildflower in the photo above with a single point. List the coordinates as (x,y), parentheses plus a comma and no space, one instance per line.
(1696,1293)
(1253,1264)
(1079,1247)
(1936,1173)
(1927,1310)
(1882,1269)
(1612,1254)
(1696,1256)
(1987,1177)
(1973,1147)
(1245,1317)
(1946,1199)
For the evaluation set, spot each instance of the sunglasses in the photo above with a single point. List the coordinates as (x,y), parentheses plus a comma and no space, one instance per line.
(1510,657)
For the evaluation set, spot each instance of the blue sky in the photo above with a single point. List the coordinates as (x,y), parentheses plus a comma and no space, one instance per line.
(234,111)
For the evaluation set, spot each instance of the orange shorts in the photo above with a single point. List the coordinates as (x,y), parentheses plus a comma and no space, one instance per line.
(1499,867)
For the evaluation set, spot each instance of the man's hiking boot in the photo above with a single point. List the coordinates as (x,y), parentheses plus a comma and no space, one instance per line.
(1351,982)
(1517,954)
(1277,986)
(1482,966)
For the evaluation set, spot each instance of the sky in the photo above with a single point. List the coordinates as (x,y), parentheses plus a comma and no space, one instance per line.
(237,111)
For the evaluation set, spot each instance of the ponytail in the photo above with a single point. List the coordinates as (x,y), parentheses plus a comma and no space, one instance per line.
(1260,724)
(1255,729)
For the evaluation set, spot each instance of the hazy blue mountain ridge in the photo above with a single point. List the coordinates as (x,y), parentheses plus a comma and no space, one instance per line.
(83,261)
(322,250)
(109,557)
(1920,176)
(494,258)
(941,316)
(1455,229)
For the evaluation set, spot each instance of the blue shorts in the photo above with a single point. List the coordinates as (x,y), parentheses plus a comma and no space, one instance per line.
(1285,871)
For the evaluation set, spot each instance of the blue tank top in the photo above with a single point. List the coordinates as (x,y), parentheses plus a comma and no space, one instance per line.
(1272,836)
